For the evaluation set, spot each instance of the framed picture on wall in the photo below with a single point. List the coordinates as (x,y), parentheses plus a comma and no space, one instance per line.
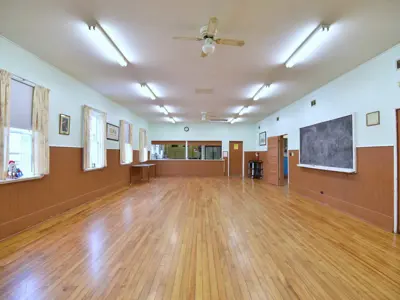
(263,138)
(373,118)
(64,124)
(112,132)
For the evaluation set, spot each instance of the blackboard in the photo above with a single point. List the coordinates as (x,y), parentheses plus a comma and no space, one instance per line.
(328,144)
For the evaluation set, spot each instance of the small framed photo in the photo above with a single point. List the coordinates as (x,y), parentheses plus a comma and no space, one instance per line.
(373,118)
(263,138)
(112,132)
(64,125)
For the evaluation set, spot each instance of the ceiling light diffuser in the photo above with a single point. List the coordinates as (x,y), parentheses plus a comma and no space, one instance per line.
(147,91)
(312,42)
(233,120)
(164,110)
(261,92)
(243,110)
(106,44)
(172,120)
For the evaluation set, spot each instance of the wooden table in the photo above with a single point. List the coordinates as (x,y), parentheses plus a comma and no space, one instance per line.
(142,166)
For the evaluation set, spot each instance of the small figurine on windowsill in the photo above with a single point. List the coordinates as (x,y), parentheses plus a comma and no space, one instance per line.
(13,171)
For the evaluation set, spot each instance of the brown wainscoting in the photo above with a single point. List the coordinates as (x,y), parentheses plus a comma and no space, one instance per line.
(189,167)
(367,194)
(263,156)
(27,203)
(248,155)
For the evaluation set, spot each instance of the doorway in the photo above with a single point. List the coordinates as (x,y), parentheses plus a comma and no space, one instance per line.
(276,160)
(235,158)
(285,159)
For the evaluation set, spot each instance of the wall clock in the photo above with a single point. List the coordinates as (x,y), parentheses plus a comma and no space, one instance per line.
(186,128)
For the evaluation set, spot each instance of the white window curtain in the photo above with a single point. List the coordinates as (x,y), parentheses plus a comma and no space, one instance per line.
(5,83)
(40,131)
(126,142)
(143,150)
(94,139)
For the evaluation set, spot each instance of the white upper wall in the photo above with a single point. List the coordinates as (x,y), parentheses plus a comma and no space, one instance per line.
(67,96)
(373,86)
(206,132)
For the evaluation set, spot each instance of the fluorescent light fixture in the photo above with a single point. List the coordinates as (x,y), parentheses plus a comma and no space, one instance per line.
(243,110)
(261,91)
(106,44)
(147,91)
(312,42)
(233,120)
(172,120)
(164,110)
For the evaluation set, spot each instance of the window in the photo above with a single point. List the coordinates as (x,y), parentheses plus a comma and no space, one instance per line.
(195,152)
(94,139)
(205,150)
(143,150)
(168,150)
(21,150)
(213,152)
(20,143)
(126,142)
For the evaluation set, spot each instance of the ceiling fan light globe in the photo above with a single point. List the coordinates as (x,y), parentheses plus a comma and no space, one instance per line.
(208,48)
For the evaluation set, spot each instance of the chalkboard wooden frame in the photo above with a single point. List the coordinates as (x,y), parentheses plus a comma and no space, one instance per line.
(342,170)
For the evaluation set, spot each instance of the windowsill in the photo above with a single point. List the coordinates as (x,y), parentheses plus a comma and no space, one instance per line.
(7,181)
(94,169)
(127,164)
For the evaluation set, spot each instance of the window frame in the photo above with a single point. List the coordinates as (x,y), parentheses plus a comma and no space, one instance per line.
(123,143)
(100,114)
(26,175)
(27,133)
(143,145)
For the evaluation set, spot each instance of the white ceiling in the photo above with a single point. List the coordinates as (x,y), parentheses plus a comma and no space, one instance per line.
(272,29)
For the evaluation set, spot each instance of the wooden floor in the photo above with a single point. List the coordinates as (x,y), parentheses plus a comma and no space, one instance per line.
(196,238)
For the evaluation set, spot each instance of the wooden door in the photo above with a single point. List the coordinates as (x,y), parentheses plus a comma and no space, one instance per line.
(274,169)
(235,158)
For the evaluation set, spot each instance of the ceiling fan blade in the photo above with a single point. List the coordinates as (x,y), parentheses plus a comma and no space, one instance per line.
(212,26)
(203,54)
(187,38)
(229,42)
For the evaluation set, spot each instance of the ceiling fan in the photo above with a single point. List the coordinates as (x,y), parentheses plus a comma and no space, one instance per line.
(208,34)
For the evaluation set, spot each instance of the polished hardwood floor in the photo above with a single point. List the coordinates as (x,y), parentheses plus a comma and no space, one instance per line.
(201,238)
